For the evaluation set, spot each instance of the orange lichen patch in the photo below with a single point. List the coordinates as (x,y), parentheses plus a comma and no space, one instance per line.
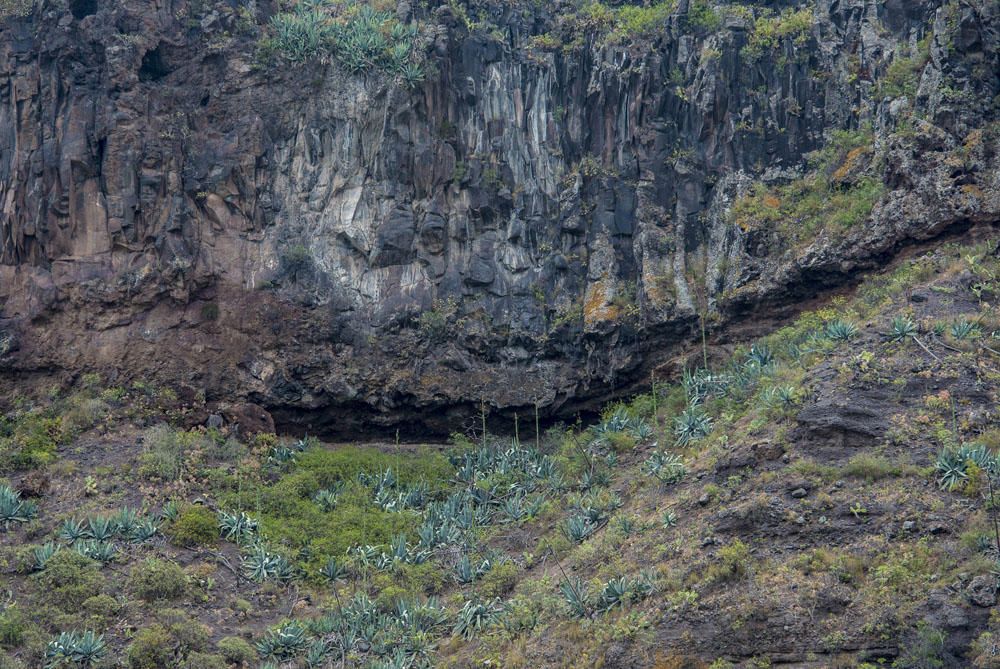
(597,305)
(973,190)
(852,162)
(771,200)
(974,139)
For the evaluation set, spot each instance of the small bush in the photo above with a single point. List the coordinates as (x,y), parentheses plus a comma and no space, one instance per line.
(199,660)
(170,643)
(69,580)
(236,650)
(13,626)
(158,579)
(101,609)
(152,648)
(167,451)
(195,525)
(499,581)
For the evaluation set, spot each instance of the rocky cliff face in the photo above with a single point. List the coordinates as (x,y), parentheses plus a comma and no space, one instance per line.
(543,218)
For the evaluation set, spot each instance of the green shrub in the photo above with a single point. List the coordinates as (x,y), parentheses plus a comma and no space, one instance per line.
(30,439)
(236,650)
(101,610)
(69,580)
(770,31)
(199,660)
(152,648)
(167,451)
(195,525)
(499,580)
(158,579)
(169,643)
(633,21)
(13,626)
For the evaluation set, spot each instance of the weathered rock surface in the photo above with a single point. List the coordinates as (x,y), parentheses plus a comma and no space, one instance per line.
(526,228)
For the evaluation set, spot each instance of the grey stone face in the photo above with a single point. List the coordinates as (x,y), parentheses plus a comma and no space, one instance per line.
(551,219)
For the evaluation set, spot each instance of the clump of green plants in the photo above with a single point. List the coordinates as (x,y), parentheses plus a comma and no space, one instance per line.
(955,465)
(770,31)
(69,579)
(691,425)
(72,649)
(156,579)
(841,330)
(30,438)
(13,509)
(667,468)
(903,74)
(838,193)
(361,39)
(195,525)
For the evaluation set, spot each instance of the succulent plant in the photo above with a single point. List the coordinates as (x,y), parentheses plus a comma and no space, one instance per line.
(334,570)
(102,551)
(575,595)
(283,643)
(964,330)
(952,464)
(101,528)
(578,528)
(477,616)
(260,565)
(72,531)
(902,328)
(71,649)
(613,594)
(691,425)
(840,330)
(668,468)
(143,531)
(237,527)
(13,509)
(42,554)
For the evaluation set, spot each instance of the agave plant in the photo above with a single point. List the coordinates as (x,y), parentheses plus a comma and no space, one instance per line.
(76,650)
(42,554)
(326,499)
(669,519)
(840,330)
(283,643)
(964,330)
(260,565)
(902,328)
(578,528)
(759,356)
(143,531)
(668,468)
(691,425)
(613,594)
(72,531)
(333,571)
(282,455)
(13,509)
(575,595)
(169,511)
(317,653)
(477,616)
(126,520)
(102,551)
(237,527)
(952,465)
(779,397)
(101,528)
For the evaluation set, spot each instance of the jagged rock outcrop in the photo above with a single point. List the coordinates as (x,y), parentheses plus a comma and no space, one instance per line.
(533,225)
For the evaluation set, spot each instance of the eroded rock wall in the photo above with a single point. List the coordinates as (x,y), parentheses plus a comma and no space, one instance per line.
(529,226)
